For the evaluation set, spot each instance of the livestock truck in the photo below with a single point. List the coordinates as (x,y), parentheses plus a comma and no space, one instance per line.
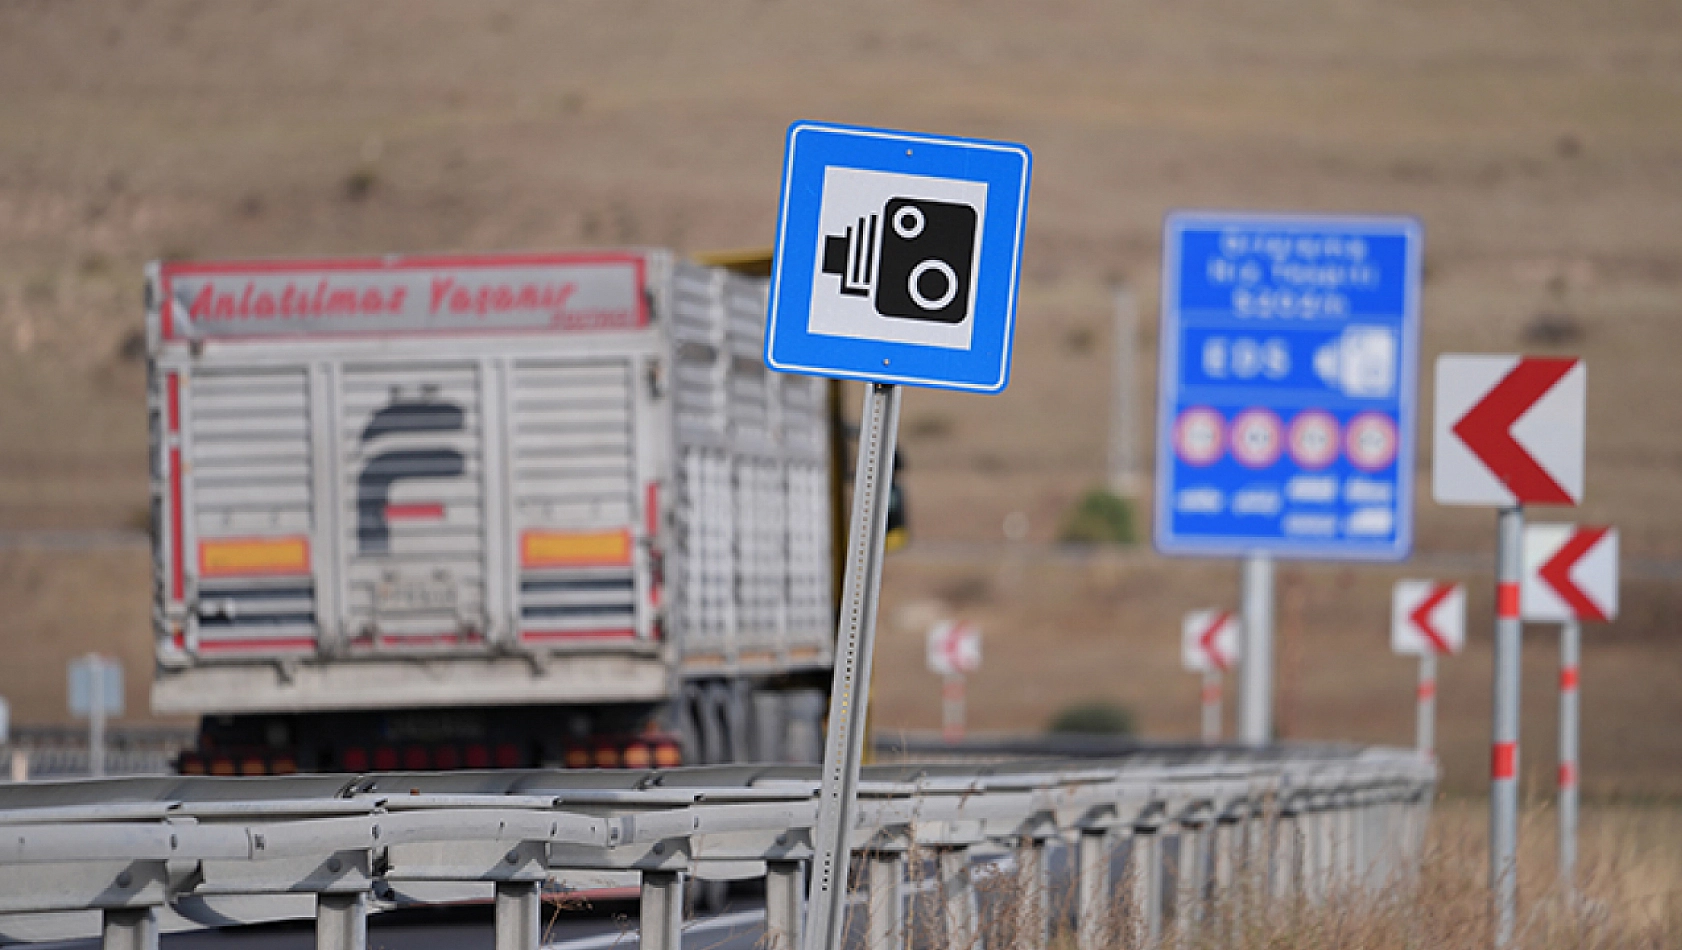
(483,511)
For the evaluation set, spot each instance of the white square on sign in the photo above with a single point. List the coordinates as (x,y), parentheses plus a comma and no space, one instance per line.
(897,258)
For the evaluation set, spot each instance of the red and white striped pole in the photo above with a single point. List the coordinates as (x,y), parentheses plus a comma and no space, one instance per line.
(1212,705)
(1426,716)
(1503,759)
(952,708)
(1570,656)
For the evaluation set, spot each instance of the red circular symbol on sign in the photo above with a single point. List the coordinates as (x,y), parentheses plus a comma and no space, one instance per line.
(1257,438)
(1198,434)
(1371,441)
(1313,439)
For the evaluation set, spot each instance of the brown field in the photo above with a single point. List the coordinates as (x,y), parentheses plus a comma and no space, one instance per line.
(1540,143)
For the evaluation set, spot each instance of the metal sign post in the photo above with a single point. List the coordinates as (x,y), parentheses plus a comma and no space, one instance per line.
(96,691)
(1570,655)
(1255,696)
(1425,717)
(850,692)
(1503,760)
(1211,705)
(952,707)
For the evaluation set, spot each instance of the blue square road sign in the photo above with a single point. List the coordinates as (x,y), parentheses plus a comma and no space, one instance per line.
(898,257)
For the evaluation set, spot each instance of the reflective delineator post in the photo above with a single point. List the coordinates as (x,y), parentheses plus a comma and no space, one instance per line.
(1503,764)
(952,707)
(850,689)
(1426,715)
(1570,657)
(1211,705)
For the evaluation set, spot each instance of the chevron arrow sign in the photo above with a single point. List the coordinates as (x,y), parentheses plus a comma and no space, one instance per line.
(1508,431)
(1570,573)
(1427,617)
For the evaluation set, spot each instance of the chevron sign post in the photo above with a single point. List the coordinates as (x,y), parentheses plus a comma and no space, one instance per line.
(1209,645)
(1508,432)
(954,651)
(1427,619)
(1570,575)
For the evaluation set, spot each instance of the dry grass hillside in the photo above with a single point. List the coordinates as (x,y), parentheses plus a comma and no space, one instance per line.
(1539,142)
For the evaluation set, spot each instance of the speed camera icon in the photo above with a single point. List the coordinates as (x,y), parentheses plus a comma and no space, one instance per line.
(914,260)
(897,257)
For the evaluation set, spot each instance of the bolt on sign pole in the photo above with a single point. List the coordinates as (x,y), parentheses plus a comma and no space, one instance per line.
(1503,759)
(1425,722)
(1212,705)
(1570,654)
(1255,685)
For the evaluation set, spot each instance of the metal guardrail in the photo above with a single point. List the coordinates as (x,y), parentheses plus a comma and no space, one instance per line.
(130,858)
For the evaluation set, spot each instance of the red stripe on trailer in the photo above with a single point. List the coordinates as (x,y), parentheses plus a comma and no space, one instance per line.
(1506,600)
(1568,679)
(1567,774)
(651,502)
(414,512)
(177,519)
(614,634)
(268,643)
(1503,761)
(1427,689)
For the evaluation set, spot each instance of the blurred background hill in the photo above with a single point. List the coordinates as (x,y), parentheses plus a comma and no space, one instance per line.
(1539,142)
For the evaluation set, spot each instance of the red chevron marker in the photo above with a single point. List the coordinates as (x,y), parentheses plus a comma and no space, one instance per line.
(1488,431)
(1209,641)
(1570,573)
(1421,617)
(1509,431)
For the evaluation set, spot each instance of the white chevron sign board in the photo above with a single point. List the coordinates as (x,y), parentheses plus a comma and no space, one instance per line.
(1570,573)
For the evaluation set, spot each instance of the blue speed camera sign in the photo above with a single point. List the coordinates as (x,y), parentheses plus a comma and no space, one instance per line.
(1286,389)
(897,257)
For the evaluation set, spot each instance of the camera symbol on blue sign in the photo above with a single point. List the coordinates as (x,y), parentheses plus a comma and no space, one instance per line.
(897,257)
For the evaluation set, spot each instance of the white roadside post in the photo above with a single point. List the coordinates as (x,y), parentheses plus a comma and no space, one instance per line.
(1210,644)
(1570,575)
(953,651)
(897,263)
(1508,432)
(1427,620)
(96,692)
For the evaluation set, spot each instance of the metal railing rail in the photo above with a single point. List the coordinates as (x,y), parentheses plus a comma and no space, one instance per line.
(130,858)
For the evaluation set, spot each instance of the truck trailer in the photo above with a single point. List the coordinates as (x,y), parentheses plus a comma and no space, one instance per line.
(509,510)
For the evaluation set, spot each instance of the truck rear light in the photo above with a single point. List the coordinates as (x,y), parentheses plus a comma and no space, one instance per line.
(508,756)
(446,757)
(283,765)
(222,765)
(385,759)
(478,756)
(606,757)
(354,759)
(638,756)
(253,765)
(190,763)
(416,758)
(577,757)
(667,754)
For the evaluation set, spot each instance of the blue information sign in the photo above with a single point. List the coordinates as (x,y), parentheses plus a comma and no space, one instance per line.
(1285,412)
(897,257)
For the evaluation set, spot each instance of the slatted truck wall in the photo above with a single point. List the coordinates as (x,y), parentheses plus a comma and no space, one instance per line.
(536,480)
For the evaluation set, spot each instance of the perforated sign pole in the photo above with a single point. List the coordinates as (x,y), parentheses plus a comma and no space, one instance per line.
(856,637)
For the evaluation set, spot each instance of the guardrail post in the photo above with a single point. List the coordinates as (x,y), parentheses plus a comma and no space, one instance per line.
(1092,888)
(885,916)
(341,921)
(130,928)
(1033,917)
(784,890)
(1316,848)
(1191,878)
(1224,845)
(519,915)
(1285,863)
(958,900)
(1346,843)
(662,910)
(1145,879)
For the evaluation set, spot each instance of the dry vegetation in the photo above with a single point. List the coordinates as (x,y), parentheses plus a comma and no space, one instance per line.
(1538,141)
